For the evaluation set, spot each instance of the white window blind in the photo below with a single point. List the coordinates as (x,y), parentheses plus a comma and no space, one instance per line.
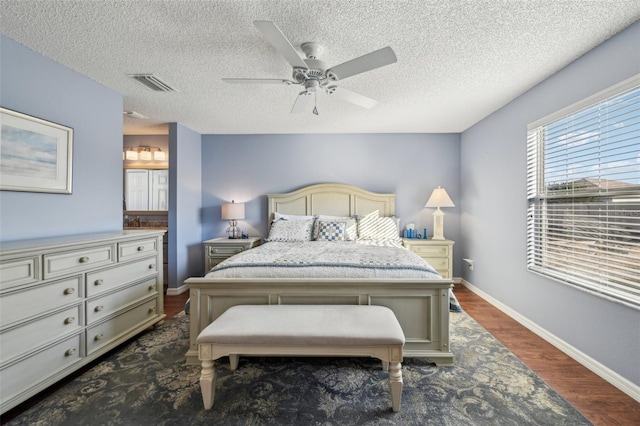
(583,189)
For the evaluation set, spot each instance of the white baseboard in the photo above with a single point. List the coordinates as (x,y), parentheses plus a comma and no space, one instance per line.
(601,370)
(171,291)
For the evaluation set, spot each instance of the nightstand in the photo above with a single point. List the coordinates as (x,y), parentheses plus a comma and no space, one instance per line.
(218,249)
(439,253)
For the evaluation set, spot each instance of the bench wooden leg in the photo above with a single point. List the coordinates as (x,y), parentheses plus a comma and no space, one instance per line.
(395,383)
(208,383)
(233,361)
(385,365)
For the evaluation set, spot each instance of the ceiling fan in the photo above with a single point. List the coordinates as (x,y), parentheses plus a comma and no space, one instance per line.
(312,74)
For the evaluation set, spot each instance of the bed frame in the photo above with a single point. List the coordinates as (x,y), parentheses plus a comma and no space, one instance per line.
(421,306)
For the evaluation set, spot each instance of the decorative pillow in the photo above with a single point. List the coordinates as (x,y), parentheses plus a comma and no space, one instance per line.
(278,216)
(331,231)
(290,230)
(378,228)
(351,226)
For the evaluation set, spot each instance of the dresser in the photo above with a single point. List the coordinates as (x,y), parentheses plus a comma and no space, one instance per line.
(65,301)
(439,253)
(218,249)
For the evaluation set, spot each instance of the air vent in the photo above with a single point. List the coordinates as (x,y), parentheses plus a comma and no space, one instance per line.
(152,82)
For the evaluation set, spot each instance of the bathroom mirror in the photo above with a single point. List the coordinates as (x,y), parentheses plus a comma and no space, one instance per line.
(146,190)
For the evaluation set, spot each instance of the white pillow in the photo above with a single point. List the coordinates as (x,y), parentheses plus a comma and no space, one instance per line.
(290,230)
(378,228)
(279,216)
(351,226)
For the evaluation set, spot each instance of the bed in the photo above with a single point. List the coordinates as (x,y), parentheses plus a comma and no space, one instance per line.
(420,301)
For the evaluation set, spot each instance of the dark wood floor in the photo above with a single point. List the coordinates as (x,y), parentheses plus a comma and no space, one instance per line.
(599,401)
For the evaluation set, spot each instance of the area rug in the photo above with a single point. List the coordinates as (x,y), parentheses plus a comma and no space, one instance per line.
(147,383)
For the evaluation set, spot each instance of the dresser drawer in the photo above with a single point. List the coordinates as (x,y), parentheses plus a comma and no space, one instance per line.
(104,333)
(37,299)
(71,262)
(111,278)
(428,251)
(19,377)
(19,272)
(136,249)
(17,340)
(106,305)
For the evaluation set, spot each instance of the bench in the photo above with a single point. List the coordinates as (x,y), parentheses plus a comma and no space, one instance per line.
(302,330)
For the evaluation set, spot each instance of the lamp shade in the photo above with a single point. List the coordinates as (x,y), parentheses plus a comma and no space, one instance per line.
(439,198)
(233,211)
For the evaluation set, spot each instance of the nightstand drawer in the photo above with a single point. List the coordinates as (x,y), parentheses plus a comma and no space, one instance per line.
(431,251)
(225,251)
(439,264)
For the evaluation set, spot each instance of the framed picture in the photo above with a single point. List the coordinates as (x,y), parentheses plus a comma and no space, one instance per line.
(35,155)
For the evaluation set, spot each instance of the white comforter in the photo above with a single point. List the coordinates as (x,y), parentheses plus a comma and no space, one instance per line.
(323,259)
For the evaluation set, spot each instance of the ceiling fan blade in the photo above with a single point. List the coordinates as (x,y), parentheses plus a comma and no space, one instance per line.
(272,33)
(257,81)
(302,102)
(368,62)
(353,97)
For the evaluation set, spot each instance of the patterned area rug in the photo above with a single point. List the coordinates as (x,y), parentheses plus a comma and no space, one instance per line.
(147,383)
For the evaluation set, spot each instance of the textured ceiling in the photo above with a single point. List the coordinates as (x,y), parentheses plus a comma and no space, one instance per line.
(458,61)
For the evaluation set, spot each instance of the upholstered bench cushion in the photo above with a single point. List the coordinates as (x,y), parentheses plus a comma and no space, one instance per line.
(305,325)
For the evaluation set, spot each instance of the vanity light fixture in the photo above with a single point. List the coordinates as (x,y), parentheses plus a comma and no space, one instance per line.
(439,198)
(131,154)
(159,155)
(145,153)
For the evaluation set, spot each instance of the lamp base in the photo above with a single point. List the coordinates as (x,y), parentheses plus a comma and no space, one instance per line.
(438,225)
(233,232)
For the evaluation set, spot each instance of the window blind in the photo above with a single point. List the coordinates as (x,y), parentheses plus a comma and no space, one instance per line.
(583,190)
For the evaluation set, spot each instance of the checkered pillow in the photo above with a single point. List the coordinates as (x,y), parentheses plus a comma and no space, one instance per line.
(331,231)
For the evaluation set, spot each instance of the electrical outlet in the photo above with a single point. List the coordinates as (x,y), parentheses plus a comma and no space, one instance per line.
(469,263)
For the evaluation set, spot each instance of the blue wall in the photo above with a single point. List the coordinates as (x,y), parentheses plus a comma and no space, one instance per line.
(37,86)
(246,167)
(185,188)
(493,223)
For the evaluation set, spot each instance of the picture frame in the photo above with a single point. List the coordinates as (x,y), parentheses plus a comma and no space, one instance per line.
(36,155)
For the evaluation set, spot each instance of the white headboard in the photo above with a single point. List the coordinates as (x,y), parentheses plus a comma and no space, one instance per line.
(331,199)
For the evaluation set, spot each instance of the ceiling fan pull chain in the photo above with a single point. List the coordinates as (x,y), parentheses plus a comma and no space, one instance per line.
(315,106)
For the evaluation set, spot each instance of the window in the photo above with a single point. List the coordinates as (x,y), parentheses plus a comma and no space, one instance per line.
(583,190)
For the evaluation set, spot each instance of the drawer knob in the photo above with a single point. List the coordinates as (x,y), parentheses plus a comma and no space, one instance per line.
(215,250)
(98,282)
(98,337)
(69,290)
(70,352)
(69,320)
(140,248)
(238,250)
(83,259)
(151,266)
(98,308)
(152,309)
(152,287)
